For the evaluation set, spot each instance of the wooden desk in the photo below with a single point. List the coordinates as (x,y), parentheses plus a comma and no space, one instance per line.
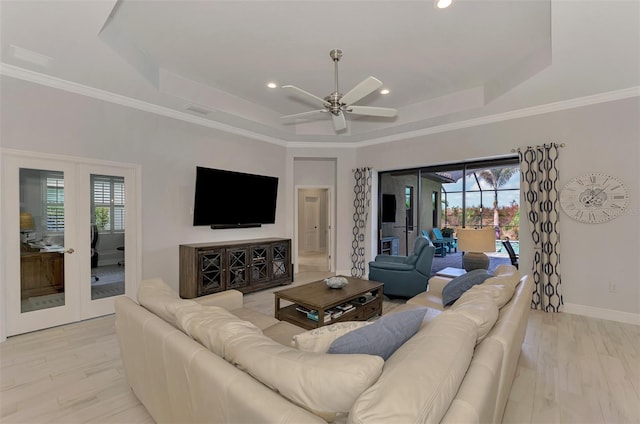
(41,273)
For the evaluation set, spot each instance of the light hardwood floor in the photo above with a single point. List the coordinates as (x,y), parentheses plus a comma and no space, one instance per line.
(572,369)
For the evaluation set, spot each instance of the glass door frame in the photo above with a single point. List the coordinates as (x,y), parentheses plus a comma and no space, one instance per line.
(462,166)
(16,321)
(77,264)
(92,308)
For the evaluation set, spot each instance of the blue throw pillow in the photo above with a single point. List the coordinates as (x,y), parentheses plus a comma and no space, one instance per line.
(456,287)
(383,337)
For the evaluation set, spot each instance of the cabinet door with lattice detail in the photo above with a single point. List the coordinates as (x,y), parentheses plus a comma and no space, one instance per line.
(259,264)
(237,267)
(210,268)
(280,260)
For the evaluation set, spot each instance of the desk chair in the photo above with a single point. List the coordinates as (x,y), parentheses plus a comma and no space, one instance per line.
(120,263)
(512,254)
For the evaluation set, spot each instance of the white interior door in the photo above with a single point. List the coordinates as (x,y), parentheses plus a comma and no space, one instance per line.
(107,209)
(311,216)
(47,242)
(314,233)
(40,259)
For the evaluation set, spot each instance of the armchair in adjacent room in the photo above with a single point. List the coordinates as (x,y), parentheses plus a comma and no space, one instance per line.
(404,276)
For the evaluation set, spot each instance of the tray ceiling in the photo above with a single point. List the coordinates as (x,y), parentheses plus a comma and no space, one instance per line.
(210,61)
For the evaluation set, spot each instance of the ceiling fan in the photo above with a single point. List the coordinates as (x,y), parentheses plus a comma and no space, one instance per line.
(338,104)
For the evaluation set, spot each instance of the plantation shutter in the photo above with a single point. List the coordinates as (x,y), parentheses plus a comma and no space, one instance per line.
(54,202)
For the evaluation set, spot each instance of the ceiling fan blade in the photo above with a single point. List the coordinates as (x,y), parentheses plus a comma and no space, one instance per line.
(366,87)
(386,112)
(303,114)
(339,122)
(315,98)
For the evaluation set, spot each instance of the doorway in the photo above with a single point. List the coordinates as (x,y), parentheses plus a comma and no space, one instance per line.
(66,225)
(313,229)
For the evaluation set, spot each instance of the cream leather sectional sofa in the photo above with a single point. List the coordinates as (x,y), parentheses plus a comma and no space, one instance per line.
(211,360)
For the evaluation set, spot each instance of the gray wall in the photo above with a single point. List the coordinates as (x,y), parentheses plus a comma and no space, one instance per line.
(42,119)
(599,138)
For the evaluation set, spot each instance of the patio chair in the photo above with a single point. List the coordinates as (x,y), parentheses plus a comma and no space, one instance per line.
(451,242)
(512,254)
(440,247)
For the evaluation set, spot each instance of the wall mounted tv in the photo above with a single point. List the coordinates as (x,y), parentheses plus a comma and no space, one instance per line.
(388,208)
(227,199)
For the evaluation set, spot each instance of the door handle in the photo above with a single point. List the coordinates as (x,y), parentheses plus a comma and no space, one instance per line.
(69,250)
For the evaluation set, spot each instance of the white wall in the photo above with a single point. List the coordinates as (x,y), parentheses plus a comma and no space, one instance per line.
(42,119)
(603,138)
(599,138)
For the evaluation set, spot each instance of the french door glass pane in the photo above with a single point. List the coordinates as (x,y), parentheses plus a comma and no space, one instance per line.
(42,226)
(107,236)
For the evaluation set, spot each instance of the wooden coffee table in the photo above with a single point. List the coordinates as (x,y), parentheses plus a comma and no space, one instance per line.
(318,296)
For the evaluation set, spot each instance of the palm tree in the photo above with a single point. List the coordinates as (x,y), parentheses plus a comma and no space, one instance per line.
(496,178)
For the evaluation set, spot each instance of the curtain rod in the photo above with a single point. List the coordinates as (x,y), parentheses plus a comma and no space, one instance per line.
(518,149)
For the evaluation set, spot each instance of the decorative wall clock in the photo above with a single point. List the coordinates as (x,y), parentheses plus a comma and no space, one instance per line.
(594,198)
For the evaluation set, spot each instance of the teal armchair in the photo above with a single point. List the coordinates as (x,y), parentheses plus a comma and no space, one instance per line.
(404,276)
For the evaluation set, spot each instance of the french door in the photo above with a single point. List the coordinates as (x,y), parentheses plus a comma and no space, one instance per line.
(69,228)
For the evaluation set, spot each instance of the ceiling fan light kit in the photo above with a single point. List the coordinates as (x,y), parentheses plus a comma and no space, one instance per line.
(442,4)
(338,104)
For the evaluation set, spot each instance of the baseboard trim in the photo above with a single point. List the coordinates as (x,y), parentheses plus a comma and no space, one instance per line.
(608,314)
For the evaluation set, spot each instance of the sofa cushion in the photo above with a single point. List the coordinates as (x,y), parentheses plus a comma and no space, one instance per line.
(205,325)
(500,293)
(321,383)
(507,275)
(319,339)
(157,297)
(480,308)
(456,287)
(383,337)
(429,299)
(421,378)
(258,319)
(283,332)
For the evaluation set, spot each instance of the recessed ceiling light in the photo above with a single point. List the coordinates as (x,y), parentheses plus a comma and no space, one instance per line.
(443,4)
(384,91)
(272,85)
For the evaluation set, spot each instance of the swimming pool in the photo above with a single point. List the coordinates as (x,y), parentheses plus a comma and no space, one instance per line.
(500,248)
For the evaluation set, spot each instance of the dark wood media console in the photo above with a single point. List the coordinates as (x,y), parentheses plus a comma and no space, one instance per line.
(244,265)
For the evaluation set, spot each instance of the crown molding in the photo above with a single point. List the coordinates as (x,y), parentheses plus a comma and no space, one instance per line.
(514,114)
(58,83)
(107,96)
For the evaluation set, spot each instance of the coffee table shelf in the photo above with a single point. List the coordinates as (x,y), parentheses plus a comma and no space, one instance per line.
(319,297)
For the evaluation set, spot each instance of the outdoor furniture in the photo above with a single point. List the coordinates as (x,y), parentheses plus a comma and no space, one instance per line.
(512,254)
(440,246)
(451,242)
(404,276)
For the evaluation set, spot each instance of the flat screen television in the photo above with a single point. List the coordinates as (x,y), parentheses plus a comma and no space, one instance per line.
(388,208)
(228,199)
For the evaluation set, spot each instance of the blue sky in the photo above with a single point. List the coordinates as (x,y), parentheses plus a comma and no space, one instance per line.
(473,192)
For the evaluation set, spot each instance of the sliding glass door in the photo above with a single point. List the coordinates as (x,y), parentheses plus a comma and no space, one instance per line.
(470,194)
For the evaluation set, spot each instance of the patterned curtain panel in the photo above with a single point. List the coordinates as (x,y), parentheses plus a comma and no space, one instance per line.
(362,205)
(539,183)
